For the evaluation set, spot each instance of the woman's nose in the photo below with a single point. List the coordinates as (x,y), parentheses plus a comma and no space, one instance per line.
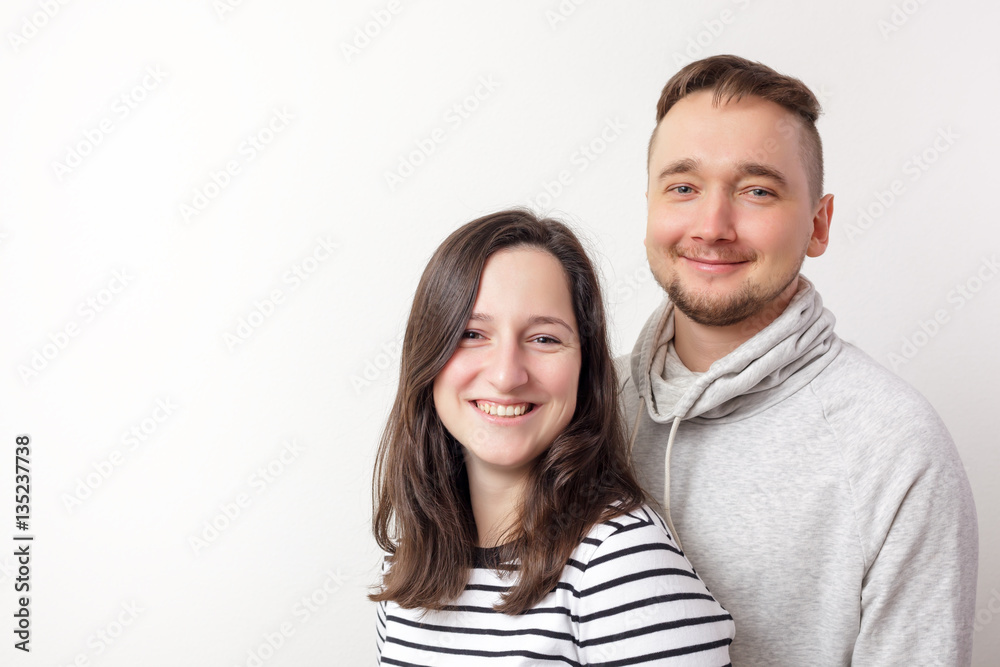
(506,368)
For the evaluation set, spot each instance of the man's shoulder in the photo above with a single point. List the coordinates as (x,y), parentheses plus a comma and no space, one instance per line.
(855,380)
(880,418)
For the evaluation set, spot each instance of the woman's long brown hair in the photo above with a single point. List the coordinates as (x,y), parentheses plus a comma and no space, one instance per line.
(422,512)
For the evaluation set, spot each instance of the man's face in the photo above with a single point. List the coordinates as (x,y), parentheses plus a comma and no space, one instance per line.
(729,214)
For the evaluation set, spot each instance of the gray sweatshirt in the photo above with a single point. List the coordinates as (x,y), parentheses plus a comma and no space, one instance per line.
(819,496)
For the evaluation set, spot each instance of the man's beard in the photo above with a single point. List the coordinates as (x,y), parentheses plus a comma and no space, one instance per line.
(751,299)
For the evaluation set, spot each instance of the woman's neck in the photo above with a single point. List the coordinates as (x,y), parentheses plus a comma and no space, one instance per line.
(495,497)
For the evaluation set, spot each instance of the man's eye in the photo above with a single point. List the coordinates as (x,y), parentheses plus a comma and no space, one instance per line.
(760,192)
(683,189)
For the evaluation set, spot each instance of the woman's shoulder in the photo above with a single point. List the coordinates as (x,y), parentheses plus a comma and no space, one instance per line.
(642,523)
(626,533)
(635,583)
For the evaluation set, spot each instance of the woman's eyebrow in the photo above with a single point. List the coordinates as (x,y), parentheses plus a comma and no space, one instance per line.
(548,319)
(532,320)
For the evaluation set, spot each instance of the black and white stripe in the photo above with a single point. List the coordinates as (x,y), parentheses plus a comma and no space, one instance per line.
(627,596)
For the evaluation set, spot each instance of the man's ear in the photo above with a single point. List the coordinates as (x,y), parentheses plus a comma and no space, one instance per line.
(821,227)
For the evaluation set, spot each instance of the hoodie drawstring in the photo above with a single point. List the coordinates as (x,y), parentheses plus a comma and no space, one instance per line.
(635,426)
(666,483)
(666,467)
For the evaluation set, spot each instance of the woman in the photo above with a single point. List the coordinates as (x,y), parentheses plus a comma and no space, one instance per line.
(515,531)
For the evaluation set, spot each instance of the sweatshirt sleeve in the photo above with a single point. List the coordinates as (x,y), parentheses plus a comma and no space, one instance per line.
(920,542)
(379,630)
(641,603)
(380,619)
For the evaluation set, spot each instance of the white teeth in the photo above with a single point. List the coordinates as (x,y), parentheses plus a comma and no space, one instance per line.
(503,410)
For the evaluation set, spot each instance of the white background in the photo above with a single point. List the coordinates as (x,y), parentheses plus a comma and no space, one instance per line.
(114,516)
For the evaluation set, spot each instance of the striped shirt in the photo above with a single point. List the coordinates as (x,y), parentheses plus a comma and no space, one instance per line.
(627,596)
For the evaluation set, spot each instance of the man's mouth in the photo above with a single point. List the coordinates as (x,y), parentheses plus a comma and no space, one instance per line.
(715,265)
(706,260)
(694,255)
(504,410)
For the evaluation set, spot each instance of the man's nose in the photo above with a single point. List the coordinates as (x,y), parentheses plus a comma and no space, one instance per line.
(715,219)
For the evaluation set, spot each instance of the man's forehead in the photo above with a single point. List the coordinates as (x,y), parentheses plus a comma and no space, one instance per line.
(750,129)
(748,113)
(705,99)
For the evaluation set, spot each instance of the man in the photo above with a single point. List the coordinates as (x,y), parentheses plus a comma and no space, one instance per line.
(820,497)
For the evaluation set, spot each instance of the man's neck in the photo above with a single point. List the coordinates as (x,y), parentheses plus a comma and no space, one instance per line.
(700,345)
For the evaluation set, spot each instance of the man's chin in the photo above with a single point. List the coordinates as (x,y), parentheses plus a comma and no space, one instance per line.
(714,310)
(748,301)
(715,317)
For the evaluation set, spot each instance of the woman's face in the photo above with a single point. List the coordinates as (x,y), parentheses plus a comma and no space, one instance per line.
(510,386)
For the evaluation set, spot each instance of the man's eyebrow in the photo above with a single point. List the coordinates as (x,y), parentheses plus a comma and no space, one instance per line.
(745,168)
(532,320)
(683,166)
(759,169)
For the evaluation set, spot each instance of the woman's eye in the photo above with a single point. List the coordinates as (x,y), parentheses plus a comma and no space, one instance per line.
(546,340)
(471,335)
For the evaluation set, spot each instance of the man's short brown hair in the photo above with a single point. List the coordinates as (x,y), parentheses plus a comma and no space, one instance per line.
(732,78)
